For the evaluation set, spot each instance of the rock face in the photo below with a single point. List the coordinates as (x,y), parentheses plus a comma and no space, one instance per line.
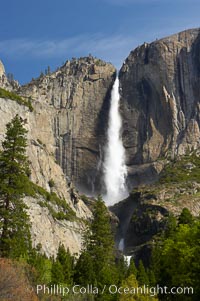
(78,96)
(49,232)
(67,126)
(46,230)
(160,85)
(4,82)
(2,69)
(145,212)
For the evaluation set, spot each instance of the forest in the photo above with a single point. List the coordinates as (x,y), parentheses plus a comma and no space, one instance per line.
(100,272)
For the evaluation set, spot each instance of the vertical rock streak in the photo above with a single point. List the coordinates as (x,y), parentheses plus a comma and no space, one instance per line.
(114,165)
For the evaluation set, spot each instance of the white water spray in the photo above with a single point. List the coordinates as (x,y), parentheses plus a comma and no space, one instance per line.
(114,165)
(121,245)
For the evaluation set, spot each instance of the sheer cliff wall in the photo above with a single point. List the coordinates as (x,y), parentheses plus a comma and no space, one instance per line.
(160,89)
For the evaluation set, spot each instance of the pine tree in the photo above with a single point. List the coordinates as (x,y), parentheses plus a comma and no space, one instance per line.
(48,70)
(171,226)
(97,262)
(62,267)
(134,286)
(132,268)
(42,266)
(185,217)
(101,246)
(84,269)
(15,227)
(57,276)
(142,276)
(122,267)
(151,277)
(67,262)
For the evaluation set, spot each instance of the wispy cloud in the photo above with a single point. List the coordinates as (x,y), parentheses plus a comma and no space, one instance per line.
(111,48)
(114,48)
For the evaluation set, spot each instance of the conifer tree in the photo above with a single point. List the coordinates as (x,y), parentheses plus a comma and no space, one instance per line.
(151,277)
(67,262)
(132,268)
(185,217)
(171,226)
(101,245)
(132,283)
(97,262)
(122,267)
(142,276)
(84,269)
(57,276)
(42,266)
(62,267)
(14,227)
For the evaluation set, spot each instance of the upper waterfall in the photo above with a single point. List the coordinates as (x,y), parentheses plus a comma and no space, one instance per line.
(114,164)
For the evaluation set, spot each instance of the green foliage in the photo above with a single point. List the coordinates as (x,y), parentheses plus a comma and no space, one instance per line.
(171,225)
(99,62)
(183,169)
(67,263)
(62,267)
(85,269)
(51,183)
(185,217)
(42,265)
(131,283)
(151,277)
(84,198)
(97,262)
(142,276)
(176,257)
(15,225)
(122,267)
(21,101)
(57,276)
(50,201)
(132,268)
(48,71)
(41,74)
(10,77)
(39,141)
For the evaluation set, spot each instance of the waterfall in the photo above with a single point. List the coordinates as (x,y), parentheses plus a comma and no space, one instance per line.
(121,245)
(114,164)
(128,260)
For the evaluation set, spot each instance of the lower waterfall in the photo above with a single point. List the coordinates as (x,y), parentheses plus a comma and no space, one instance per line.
(115,170)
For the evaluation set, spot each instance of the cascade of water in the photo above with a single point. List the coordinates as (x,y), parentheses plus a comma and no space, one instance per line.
(121,245)
(127,259)
(114,165)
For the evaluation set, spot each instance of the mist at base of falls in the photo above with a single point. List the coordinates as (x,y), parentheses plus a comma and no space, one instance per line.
(115,170)
(121,247)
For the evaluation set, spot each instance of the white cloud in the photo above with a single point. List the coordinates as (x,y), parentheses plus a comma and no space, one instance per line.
(111,48)
(114,48)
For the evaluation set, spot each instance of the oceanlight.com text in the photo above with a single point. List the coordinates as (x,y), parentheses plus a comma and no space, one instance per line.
(113,289)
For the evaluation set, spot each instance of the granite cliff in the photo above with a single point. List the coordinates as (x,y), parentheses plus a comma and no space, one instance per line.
(77,95)
(160,95)
(160,89)
(146,212)
(66,124)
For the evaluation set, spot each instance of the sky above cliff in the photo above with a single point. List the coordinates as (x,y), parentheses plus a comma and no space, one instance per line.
(40,33)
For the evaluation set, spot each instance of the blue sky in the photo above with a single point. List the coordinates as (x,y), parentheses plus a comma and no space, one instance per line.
(35,34)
